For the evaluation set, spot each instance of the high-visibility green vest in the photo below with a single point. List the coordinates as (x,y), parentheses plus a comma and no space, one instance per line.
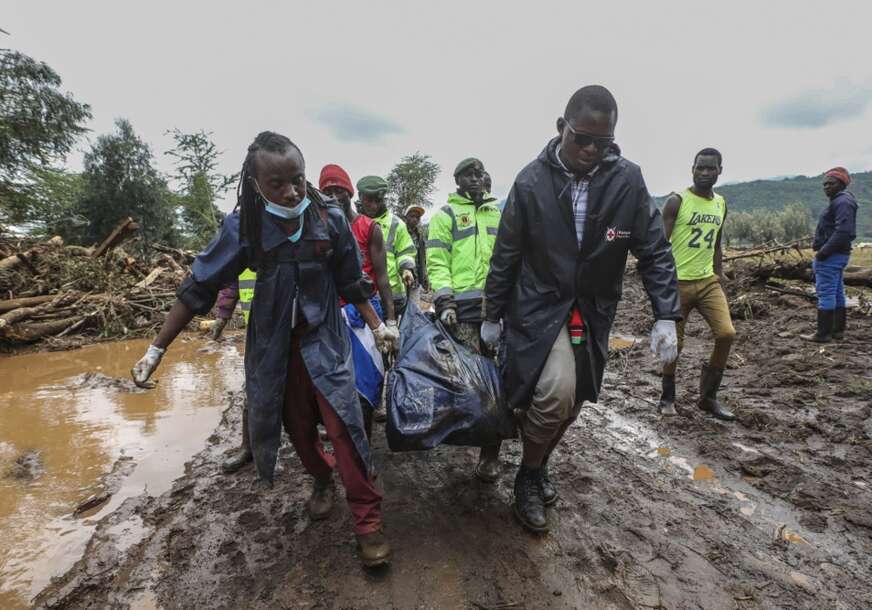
(246,291)
(400,250)
(695,235)
(460,242)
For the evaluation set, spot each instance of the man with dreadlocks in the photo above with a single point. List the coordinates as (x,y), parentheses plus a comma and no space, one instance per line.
(298,366)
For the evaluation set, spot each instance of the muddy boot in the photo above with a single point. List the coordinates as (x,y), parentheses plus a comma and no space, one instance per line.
(666,406)
(320,503)
(709,383)
(549,492)
(488,467)
(528,507)
(824,334)
(243,454)
(840,320)
(373,549)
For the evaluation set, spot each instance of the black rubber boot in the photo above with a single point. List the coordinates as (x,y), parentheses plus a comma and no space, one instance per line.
(709,384)
(840,320)
(243,455)
(487,469)
(549,492)
(824,334)
(320,503)
(528,507)
(666,406)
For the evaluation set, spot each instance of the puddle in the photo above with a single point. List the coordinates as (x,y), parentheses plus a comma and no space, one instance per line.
(67,418)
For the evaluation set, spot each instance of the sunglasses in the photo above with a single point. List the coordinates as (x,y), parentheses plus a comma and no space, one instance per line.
(583,140)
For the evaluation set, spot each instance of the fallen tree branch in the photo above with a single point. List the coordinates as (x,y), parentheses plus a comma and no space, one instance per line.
(777,248)
(24,257)
(791,291)
(11,304)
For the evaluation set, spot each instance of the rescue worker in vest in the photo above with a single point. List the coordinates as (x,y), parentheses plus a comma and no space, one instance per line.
(242,291)
(460,241)
(398,243)
(694,222)
(413,214)
(298,369)
(368,366)
(555,279)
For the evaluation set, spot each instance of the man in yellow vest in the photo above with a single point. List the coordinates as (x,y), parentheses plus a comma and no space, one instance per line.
(694,220)
(243,292)
(460,242)
(399,246)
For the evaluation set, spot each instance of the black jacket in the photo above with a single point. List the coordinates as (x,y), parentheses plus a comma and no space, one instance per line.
(538,271)
(837,226)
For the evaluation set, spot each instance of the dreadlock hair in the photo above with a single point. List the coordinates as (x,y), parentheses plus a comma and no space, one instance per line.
(709,152)
(248,200)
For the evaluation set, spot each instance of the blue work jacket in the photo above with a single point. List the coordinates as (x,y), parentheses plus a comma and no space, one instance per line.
(322,266)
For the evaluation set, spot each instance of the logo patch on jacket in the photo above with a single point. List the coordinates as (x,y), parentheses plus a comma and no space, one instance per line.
(464,220)
(613,233)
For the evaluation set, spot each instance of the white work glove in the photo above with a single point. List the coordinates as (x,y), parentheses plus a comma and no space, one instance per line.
(408,278)
(664,341)
(387,337)
(448,317)
(143,369)
(490,334)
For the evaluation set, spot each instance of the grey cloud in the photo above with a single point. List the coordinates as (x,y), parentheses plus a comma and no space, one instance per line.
(354,124)
(818,108)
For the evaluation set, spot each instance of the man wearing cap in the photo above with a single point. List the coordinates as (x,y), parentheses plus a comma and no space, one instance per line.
(460,241)
(399,247)
(413,215)
(368,365)
(836,229)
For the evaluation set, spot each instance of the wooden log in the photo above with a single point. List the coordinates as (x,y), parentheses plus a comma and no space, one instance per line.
(11,304)
(122,231)
(29,333)
(23,257)
(150,278)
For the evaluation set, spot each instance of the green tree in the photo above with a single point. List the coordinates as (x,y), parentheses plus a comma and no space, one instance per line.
(120,181)
(412,180)
(39,125)
(198,183)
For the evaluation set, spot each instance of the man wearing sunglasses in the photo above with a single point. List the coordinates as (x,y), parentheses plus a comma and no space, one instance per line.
(555,279)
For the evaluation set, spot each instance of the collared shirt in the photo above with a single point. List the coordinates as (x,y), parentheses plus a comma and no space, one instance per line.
(578,190)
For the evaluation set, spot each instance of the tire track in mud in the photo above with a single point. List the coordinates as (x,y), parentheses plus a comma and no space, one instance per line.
(778,518)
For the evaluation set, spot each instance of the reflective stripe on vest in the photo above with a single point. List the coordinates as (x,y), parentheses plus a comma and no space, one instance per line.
(392,234)
(247,281)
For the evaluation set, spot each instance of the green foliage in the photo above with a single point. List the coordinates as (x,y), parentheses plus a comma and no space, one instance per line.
(198,185)
(120,181)
(46,203)
(412,180)
(39,125)
(762,226)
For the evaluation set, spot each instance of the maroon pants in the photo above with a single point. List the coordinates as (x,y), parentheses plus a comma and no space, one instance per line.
(304,409)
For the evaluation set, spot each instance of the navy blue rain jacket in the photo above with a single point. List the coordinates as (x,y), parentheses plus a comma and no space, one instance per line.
(323,265)
(837,226)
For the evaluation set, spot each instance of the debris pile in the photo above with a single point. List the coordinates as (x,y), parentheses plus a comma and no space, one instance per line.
(60,296)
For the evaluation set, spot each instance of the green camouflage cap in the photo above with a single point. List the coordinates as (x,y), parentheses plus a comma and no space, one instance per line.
(466,164)
(372,185)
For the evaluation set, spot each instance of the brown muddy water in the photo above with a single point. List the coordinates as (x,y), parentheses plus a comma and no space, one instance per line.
(71,422)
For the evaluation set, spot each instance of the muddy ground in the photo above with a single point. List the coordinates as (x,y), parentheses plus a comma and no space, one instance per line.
(774,511)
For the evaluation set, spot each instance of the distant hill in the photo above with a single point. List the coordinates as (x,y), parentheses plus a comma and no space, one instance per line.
(774,194)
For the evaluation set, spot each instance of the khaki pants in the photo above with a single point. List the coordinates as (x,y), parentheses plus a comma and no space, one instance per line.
(554,397)
(707,297)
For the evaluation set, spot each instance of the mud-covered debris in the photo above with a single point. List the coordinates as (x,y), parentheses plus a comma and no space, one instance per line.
(27,467)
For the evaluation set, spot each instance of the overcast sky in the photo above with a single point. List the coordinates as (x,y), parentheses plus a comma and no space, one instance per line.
(779,87)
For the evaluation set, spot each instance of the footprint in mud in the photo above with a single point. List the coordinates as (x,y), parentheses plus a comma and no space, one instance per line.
(251,520)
